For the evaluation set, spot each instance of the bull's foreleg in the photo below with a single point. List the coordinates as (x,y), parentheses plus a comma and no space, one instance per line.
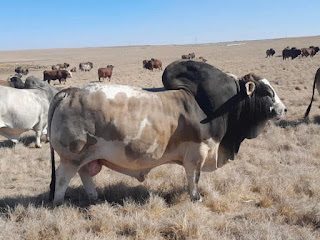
(88,183)
(64,174)
(193,176)
(194,158)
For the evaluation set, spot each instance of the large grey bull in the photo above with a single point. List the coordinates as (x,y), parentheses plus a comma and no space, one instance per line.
(199,124)
(25,109)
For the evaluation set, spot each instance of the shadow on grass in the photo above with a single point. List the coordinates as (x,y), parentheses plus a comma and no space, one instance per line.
(115,194)
(7,144)
(297,122)
(25,140)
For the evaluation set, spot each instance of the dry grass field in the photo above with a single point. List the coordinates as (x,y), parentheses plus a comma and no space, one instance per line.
(271,190)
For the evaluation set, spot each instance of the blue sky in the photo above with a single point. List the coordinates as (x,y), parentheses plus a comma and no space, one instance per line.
(37,24)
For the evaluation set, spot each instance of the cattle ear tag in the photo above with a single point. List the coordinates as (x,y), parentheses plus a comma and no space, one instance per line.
(250,87)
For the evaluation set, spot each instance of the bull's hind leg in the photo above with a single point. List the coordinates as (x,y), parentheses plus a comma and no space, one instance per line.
(64,173)
(87,181)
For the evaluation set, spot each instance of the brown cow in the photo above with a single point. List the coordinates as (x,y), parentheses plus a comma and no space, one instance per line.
(153,63)
(201,59)
(186,56)
(189,56)
(316,49)
(105,72)
(305,52)
(60,75)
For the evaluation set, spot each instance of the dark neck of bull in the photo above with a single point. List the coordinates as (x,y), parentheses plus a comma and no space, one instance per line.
(241,113)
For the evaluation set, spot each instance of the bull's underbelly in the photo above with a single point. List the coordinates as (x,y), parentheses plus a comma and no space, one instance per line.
(114,155)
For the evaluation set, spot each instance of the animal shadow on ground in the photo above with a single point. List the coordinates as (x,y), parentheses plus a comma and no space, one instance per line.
(297,122)
(115,194)
(26,141)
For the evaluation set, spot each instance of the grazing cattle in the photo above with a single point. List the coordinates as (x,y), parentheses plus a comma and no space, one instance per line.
(144,62)
(85,66)
(60,75)
(201,59)
(21,70)
(74,69)
(270,52)
(156,63)
(186,56)
(305,52)
(14,81)
(293,53)
(189,56)
(22,110)
(63,66)
(153,63)
(105,72)
(60,66)
(199,124)
(316,84)
(316,49)
(55,67)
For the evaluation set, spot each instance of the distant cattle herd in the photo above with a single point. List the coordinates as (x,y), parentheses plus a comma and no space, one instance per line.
(61,71)
(234,107)
(293,52)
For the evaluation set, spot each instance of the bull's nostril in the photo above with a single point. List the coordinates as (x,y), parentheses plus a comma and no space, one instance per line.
(285,110)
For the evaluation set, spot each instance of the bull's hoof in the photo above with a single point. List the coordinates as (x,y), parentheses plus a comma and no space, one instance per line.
(196,197)
(38,145)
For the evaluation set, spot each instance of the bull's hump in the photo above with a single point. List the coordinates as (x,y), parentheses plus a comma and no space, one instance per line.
(111,91)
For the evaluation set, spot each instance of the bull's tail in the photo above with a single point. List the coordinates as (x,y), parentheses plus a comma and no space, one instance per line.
(317,77)
(53,105)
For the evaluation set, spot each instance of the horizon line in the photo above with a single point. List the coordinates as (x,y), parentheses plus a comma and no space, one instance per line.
(154,45)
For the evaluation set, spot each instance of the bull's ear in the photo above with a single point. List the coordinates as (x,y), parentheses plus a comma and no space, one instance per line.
(250,87)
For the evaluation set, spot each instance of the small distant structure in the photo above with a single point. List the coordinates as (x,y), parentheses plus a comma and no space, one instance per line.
(235,44)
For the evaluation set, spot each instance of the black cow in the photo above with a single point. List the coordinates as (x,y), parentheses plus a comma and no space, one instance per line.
(293,53)
(270,52)
(16,81)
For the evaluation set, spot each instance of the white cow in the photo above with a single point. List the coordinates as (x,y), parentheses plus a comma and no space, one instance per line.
(25,109)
